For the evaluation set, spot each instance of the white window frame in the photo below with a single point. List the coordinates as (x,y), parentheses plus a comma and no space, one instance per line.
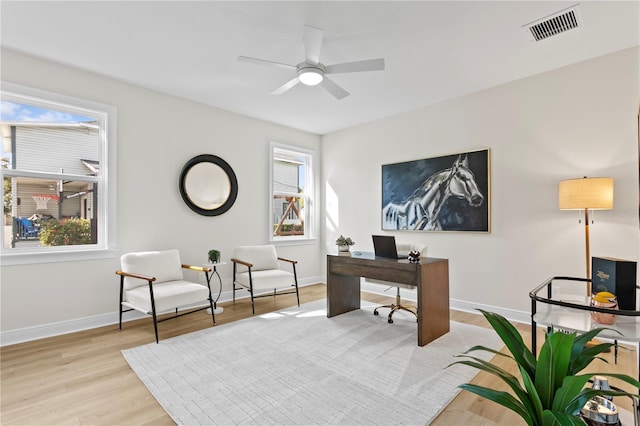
(310,213)
(106,117)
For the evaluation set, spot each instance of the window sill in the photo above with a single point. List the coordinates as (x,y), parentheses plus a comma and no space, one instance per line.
(294,242)
(55,257)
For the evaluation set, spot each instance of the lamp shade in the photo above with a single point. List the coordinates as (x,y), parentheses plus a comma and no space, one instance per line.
(586,193)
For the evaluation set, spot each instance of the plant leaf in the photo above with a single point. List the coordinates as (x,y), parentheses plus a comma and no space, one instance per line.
(586,337)
(553,364)
(503,398)
(581,399)
(532,401)
(529,398)
(553,418)
(571,387)
(513,341)
(486,349)
(504,375)
(584,357)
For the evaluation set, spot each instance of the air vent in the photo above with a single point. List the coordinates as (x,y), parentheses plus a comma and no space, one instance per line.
(565,20)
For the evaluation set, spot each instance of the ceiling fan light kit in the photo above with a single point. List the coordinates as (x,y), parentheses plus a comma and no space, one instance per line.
(311,72)
(310,75)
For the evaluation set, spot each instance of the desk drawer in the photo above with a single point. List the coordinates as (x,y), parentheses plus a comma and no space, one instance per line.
(405,273)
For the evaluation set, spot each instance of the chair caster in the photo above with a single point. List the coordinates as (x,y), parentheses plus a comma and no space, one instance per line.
(390,321)
(375,313)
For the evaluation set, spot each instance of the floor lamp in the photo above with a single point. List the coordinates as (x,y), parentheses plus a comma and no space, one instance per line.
(586,194)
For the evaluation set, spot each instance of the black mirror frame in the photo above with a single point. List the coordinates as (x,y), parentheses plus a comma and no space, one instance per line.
(233,194)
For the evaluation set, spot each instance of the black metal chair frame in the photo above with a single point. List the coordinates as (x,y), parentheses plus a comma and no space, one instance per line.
(153,312)
(250,289)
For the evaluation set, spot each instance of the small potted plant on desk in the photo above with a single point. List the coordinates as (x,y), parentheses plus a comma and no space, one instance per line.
(344,243)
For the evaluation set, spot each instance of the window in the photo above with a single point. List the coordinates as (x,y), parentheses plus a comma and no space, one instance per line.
(291,210)
(58,192)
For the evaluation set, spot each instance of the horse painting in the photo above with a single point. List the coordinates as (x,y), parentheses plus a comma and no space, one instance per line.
(423,208)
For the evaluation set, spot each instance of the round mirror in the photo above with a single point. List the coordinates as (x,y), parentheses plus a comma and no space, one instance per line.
(208,185)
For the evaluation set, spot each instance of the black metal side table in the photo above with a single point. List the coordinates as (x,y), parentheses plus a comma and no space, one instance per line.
(214,267)
(572,312)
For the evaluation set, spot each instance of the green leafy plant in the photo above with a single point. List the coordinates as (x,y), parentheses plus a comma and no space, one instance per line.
(65,233)
(214,256)
(342,241)
(550,390)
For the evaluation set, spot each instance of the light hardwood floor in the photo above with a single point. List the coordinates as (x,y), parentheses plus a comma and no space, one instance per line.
(82,378)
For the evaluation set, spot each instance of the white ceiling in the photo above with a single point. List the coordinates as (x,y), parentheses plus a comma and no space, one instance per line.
(434,51)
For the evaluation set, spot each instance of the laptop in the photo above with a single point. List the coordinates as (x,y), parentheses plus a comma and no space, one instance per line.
(385,246)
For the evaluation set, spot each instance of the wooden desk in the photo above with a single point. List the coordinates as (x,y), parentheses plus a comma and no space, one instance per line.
(430,276)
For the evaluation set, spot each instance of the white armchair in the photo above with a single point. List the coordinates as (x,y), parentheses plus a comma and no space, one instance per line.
(257,269)
(153,283)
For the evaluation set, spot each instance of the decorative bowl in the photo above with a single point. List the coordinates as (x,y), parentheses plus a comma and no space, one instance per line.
(606,300)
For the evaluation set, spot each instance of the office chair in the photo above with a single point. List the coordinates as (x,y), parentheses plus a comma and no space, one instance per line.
(397,305)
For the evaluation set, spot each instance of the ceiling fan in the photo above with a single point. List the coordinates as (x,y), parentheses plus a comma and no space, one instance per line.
(311,72)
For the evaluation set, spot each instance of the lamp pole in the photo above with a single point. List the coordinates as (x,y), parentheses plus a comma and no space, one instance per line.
(586,242)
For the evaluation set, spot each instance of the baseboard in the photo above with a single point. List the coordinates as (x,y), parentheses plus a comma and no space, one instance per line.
(27,334)
(37,332)
(458,305)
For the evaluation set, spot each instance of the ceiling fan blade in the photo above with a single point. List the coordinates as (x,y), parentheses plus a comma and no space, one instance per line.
(288,85)
(331,87)
(265,62)
(367,65)
(312,40)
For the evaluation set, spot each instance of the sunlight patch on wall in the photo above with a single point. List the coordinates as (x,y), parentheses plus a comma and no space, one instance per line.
(332,204)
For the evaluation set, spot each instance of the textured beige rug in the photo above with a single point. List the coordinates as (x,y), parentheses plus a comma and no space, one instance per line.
(298,367)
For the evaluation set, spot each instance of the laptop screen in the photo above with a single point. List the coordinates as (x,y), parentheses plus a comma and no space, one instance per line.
(385,246)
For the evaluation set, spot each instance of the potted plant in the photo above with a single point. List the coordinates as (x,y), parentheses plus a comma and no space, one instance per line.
(344,243)
(214,256)
(551,390)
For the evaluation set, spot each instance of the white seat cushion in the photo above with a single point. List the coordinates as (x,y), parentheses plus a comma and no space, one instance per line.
(261,257)
(163,265)
(266,280)
(167,295)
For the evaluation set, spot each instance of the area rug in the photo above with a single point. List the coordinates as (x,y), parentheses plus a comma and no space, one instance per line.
(298,367)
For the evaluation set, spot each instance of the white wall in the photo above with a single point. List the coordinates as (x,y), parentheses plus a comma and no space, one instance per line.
(157,134)
(568,123)
(579,120)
